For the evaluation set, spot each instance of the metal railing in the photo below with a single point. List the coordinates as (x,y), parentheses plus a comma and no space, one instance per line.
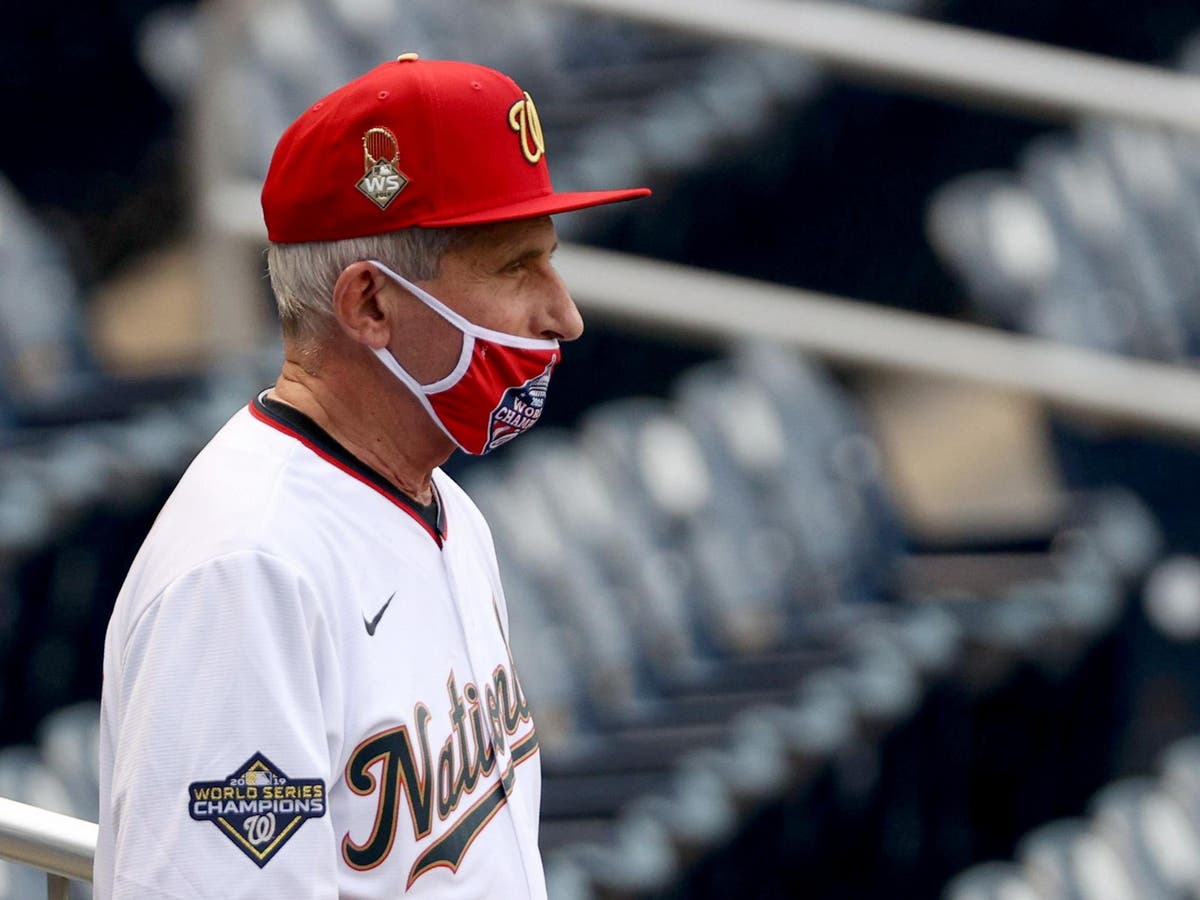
(926,57)
(903,52)
(61,846)
(694,304)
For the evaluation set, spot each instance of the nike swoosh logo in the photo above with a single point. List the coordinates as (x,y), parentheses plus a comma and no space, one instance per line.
(379,615)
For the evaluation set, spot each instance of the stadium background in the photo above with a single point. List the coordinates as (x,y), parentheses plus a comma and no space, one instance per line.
(1004,637)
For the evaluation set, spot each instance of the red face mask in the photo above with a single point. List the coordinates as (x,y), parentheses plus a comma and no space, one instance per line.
(497,389)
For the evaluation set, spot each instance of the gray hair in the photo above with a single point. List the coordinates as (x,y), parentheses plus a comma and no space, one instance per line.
(303,275)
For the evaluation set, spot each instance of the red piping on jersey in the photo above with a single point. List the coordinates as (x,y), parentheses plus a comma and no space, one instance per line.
(280,427)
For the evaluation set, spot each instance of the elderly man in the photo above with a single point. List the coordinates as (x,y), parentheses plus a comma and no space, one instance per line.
(308,689)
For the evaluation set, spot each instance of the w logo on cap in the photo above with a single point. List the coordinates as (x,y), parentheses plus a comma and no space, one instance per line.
(523,119)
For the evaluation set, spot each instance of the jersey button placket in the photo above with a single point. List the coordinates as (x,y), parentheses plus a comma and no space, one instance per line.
(473,642)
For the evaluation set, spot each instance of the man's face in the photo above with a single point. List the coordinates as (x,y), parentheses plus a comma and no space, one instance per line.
(498,277)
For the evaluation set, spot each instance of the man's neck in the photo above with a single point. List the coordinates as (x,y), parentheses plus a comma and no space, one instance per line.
(366,410)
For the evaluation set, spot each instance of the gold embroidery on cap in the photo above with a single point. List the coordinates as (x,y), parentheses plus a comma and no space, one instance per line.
(523,119)
(382,179)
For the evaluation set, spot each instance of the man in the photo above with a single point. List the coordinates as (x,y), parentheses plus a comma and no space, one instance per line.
(308,689)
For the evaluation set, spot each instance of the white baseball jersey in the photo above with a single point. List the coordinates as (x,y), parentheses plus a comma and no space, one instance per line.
(308,690)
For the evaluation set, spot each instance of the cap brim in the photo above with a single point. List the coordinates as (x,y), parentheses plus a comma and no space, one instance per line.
(546,205)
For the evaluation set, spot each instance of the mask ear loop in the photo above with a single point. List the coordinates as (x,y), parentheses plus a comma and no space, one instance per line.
(421,391)
(418,390)
(465,325)
(468,340)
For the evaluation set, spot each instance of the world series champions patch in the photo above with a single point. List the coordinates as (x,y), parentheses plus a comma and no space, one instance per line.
(257,807)
(518,410)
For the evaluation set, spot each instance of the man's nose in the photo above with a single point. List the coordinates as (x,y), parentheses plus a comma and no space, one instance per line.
(563,320)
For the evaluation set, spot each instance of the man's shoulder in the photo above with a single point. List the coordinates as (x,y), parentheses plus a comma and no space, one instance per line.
(231,481)
(232,498)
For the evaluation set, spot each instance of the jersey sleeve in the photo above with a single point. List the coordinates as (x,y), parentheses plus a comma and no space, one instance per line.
(220,780)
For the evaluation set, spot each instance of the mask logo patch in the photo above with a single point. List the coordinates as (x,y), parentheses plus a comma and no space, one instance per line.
(523,119)
(518,410)
(257,807)
(382,180)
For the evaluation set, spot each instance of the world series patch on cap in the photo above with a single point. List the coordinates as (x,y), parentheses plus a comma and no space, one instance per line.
(413,142)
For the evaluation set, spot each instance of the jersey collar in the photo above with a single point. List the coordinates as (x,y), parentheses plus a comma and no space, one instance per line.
(295,424)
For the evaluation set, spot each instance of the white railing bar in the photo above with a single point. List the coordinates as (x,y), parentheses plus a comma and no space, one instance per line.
(898,51)
(680,301)
(232,325)
(714,307)
(57,844)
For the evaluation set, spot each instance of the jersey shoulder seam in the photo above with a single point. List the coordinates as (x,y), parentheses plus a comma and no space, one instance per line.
(194,567)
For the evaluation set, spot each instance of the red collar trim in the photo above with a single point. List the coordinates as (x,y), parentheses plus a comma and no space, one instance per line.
(283,428)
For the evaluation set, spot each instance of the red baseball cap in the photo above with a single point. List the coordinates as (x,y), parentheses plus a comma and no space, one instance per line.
(414,142)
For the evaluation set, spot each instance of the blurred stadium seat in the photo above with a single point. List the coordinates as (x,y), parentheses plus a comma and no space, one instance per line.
(867,727)
(903,723)
(42,348)
(1138,840)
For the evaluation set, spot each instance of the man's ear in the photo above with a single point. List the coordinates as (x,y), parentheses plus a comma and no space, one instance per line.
(358,308)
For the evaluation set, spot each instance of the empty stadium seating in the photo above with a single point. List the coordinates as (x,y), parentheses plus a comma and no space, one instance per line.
(866,730)
(1139,838)
(740,689)
(1092,240)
